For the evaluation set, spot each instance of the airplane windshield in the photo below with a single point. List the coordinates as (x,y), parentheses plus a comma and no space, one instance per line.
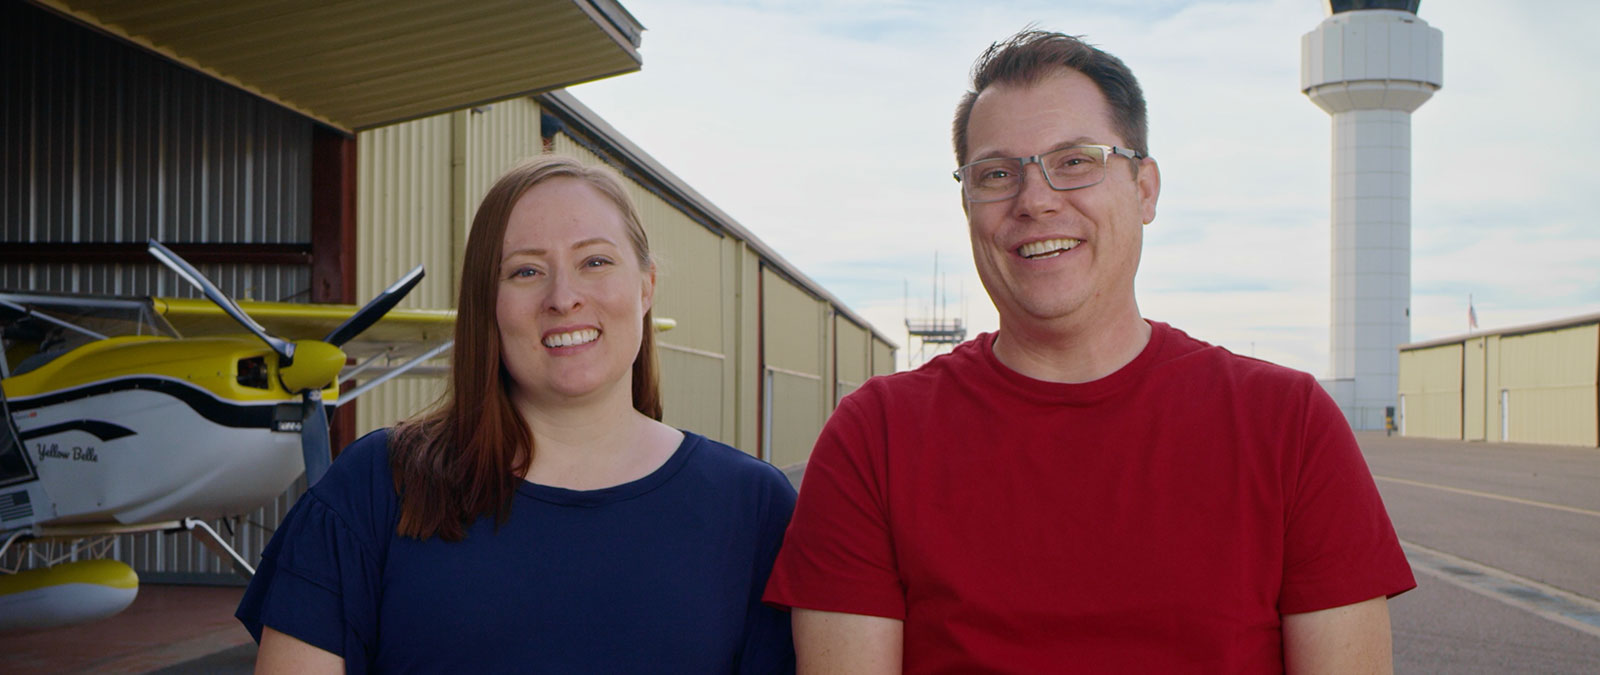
(35,328)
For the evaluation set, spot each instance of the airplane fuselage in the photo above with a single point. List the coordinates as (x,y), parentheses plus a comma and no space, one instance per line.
(140,429)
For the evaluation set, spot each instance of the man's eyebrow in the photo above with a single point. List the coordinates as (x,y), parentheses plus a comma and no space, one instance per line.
(1081,140)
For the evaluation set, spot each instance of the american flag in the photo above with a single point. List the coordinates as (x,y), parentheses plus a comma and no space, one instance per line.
(15,505)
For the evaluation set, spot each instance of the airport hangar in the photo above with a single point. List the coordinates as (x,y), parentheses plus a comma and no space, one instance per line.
(315,151)
(1538,383)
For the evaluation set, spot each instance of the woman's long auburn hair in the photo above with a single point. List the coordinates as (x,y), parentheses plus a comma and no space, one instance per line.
(464,458)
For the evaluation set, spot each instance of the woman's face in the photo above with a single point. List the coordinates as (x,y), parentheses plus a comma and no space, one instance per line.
(572,295)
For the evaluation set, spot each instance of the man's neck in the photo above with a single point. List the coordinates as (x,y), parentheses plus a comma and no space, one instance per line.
(1072,351)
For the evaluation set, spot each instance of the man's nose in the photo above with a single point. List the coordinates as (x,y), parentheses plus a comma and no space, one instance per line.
(1035,196)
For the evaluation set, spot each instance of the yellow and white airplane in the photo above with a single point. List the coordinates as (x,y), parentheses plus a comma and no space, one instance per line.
(158,414)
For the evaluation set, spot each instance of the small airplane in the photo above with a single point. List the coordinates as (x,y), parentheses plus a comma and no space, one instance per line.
(129,415)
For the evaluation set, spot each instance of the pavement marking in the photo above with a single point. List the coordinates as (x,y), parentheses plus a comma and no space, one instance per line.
(1563,607)
(1491,495)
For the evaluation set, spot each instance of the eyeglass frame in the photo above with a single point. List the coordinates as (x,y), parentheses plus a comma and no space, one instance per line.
(1106,150)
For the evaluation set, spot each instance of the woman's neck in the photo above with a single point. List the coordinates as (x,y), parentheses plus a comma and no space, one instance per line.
(592,444)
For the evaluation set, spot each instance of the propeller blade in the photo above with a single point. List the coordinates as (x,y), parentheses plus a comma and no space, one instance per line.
(314,444)
(284,348)
(375,309)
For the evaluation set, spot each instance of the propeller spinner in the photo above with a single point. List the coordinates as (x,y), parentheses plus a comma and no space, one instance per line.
(305,367)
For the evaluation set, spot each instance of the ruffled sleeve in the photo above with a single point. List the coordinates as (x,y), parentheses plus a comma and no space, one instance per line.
(320,575)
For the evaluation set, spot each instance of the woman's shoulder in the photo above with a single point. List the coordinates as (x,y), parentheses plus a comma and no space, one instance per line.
(721,461)
(359,486)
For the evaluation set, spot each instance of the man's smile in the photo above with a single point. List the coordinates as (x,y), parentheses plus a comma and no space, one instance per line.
(1048,248)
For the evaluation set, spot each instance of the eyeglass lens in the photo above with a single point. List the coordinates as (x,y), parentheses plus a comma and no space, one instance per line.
(1064,169)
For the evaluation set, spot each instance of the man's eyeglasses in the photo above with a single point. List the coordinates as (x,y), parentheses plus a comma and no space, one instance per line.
(1080,166)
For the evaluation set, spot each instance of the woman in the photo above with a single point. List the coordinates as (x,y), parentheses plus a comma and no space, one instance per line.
(542,519)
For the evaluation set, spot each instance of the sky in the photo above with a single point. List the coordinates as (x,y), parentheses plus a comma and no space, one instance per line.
(823,127)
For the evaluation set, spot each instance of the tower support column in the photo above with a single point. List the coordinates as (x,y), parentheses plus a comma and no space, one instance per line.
(1370,69)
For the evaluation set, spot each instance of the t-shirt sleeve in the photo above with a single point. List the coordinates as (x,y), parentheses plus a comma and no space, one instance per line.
(1340,547)
(769,645)
(838,554)
(318,577)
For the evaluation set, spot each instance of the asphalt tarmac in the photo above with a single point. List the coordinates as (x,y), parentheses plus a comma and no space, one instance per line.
(1504,539)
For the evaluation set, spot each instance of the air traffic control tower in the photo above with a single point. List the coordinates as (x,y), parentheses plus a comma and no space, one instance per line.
(1370,64)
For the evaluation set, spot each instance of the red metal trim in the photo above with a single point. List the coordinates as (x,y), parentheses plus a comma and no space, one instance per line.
(761,362)
(333,241)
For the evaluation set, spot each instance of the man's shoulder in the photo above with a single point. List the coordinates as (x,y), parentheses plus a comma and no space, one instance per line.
(1182,350)
(959,362)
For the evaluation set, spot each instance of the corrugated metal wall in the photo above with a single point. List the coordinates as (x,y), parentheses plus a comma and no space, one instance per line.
(882,357)
(797,399)
(1430,392)
(1494,422)
(106,143)
(1538,386)
(1474,368)
(1550,381)
(405,216)
(852,357)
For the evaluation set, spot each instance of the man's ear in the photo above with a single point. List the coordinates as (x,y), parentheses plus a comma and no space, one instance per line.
(1149,184)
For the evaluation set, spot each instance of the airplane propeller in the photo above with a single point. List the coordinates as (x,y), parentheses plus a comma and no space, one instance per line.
(305,367)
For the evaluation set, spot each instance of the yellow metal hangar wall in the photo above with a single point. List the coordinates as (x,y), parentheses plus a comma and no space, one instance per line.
(228,129)
(760,354)
(1538,383)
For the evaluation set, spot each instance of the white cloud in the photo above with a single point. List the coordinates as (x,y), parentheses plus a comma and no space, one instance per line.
(824,128)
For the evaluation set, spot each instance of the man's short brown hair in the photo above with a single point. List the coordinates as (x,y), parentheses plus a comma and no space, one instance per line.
(1031,55)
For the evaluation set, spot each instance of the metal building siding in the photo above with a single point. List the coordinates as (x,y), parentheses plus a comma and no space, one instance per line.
(1550,379)
(492,139)
(743,331)
(796,397)
(882,357)
(404,196)
(689,274)
(1430,386)
(1493,425)
(689,290)
(106,143)
(792,334)
(852,358)
(1474,395)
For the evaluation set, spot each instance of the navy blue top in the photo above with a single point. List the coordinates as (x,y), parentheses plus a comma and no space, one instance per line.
(659,575)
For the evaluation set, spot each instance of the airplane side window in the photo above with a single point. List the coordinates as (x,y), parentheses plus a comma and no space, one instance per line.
(15,465)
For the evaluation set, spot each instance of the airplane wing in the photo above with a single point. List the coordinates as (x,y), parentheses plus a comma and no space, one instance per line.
(399,336)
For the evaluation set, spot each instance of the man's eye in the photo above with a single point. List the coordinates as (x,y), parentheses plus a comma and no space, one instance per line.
(994,174)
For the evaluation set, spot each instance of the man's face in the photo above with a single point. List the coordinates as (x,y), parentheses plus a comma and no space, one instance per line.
(1047,255)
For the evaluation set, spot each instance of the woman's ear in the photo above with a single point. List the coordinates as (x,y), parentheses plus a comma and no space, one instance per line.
(648,292)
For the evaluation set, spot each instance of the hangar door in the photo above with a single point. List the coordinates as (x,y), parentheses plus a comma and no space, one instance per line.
(794,395)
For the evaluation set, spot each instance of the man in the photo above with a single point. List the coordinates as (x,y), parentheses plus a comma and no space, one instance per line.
(1083,490)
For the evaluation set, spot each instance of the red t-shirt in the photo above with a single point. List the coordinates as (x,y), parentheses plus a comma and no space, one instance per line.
(1160,519)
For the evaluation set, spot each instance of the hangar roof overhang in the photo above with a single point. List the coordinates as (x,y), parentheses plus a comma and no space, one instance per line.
(358,64)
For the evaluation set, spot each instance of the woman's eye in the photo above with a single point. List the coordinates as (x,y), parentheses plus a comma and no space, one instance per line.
(524,272)
(596,261)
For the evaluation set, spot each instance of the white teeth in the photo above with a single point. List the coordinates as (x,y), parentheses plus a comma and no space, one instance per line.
(1039,249)
(576,337)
